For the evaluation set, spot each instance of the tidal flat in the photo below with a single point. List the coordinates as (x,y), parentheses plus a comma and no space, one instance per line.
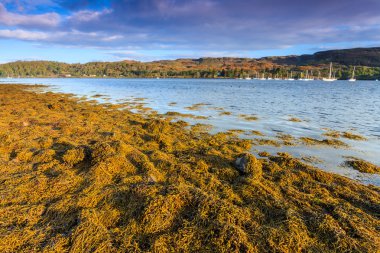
(80,176)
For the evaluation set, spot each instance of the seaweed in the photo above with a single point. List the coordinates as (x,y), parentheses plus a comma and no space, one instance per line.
(248,117)
(294,119)
(362,165)
(325,142)
(89,177)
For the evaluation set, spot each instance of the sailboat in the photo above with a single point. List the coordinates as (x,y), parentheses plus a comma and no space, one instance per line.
(291,76)
(330,78)
(301,77)
(352,79)
(307,77)
(263,77)
(319,76)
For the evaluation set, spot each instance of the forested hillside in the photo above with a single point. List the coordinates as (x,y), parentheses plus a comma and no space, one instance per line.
(367,62)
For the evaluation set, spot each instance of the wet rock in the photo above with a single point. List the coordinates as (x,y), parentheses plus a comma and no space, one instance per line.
(248,165)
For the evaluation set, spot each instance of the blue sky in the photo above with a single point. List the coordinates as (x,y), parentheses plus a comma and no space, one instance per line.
(146,30)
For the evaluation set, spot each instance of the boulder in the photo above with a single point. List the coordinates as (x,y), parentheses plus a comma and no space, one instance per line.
(248,165)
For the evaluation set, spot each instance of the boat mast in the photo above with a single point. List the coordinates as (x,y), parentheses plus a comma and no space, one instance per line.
(330,74)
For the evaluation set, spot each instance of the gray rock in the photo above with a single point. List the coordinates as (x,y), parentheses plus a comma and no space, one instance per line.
(248,165)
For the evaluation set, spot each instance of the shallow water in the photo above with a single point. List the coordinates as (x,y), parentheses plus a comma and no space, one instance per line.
(339,105)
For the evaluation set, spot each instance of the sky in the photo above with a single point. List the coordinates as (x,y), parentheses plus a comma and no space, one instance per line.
(147,30)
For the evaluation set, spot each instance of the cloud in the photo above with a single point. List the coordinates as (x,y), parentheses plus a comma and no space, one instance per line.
(73,37)
(75,5)
(228,27)
(239,24)
(23,35)
(27,5)
(87,15)
(39,20)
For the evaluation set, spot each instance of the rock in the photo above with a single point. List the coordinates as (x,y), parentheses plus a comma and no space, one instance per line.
(248,165)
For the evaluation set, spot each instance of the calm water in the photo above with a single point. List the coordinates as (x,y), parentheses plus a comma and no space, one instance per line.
(339,105)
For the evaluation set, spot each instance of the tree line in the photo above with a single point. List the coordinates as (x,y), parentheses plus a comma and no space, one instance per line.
(180,69)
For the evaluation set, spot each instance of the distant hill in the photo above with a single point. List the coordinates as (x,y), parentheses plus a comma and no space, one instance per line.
(367,61)
(357,56)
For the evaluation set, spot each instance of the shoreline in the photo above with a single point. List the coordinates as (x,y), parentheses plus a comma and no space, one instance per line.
(173,77)
(227,117)
(78,174)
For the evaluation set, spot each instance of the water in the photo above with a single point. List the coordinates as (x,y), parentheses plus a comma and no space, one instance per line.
(339,105)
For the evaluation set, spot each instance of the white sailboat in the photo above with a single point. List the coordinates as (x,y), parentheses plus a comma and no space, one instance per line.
(330,78)
(352,79)
(276,78)
(307,77)
(263,77)
(291,77)
(301,77)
